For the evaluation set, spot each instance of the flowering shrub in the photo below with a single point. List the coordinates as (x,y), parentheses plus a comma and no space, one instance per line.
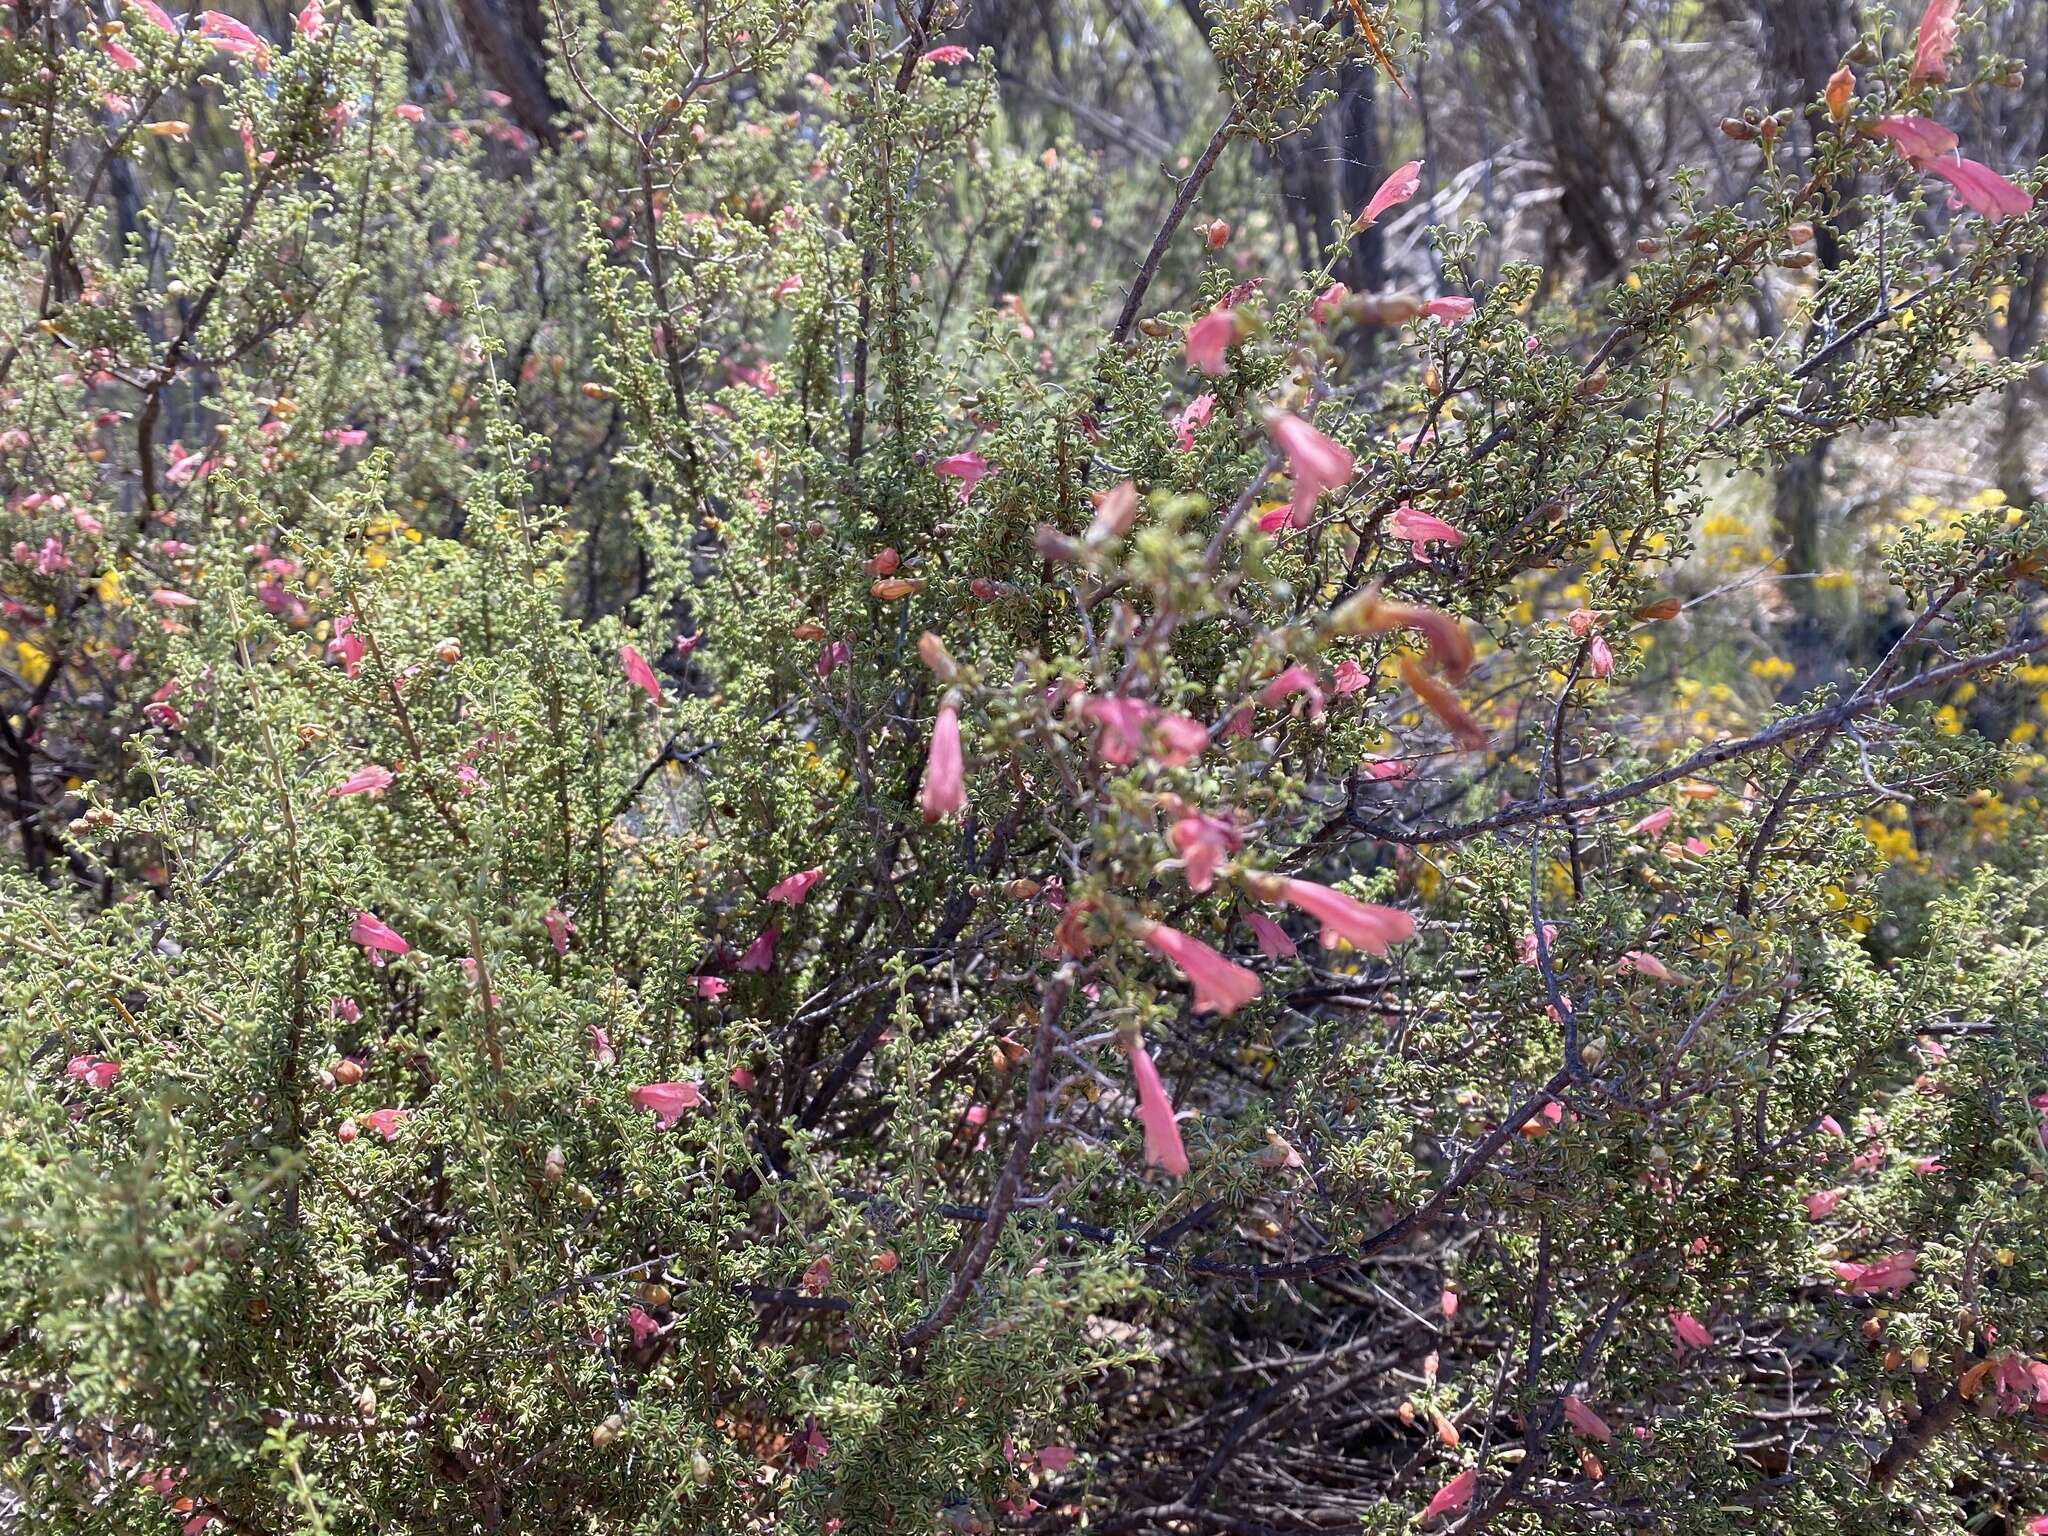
(722,825)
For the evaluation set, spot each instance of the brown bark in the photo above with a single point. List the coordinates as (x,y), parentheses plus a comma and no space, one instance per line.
(510,39)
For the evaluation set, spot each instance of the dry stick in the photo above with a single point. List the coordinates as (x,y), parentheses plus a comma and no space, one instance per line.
(1567,1016)
(1036,1102)
(1707,757)
(1420,1219)
(1917,1436)
(1184,199)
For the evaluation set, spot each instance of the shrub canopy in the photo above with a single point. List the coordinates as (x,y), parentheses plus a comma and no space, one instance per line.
(767,802)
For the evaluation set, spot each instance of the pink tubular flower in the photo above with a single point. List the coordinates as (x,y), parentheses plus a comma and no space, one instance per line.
(1586,1421)
(1209,337)
(411,111)
(164,597)
(1821,1203)
(667,1100)
(93,1071)
(1450,309)
(370,779)
(1349,678)
(1192,419)
(1177,740)
(1643,963)
(947,54)
(1690,1332)
(1599,657)
(1980,188)
(792,889)
(310,20)
(1421,529)
(642,1325)
(1273,941)
(1315,463)
(639,674)
(1373,929)
(1295,679)
(712,988)
(1528,950)
(559,927)
(231,36)
(945,785)
(969,468)
(760,955)
(376,936)
(1888,1275)
(1203,842)
(1220,987)
(1450,648)
(1396,189)
(1918,139)
(1163,1149)
(347,646)
(156,16)
(1120,725)
(118,56)
(385,1122)
(1653,823)
(1327,303)
(1455,1494)
(1937,40)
